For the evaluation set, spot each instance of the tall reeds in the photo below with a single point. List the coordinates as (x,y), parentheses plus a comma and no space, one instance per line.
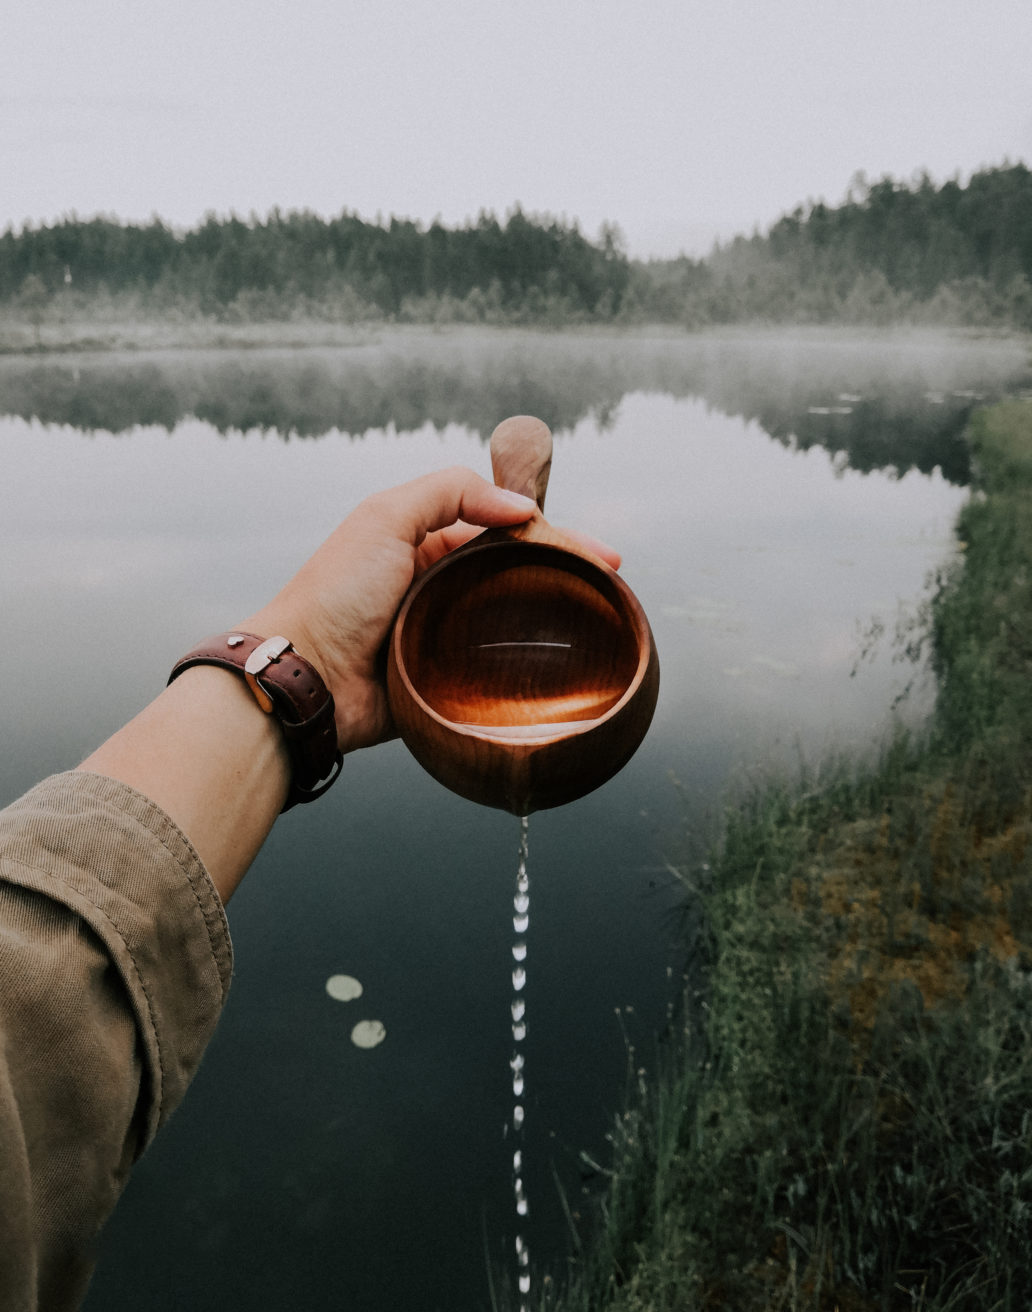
(849,1123)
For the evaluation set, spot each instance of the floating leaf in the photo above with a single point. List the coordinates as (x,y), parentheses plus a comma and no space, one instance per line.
(368,1034)
(345,988)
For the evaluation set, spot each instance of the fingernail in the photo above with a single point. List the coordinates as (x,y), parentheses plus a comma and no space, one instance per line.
(517,500)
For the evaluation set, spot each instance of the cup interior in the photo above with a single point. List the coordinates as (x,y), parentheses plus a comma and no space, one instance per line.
(518,637)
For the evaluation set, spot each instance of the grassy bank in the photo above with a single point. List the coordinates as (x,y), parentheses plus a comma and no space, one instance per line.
(851,1126)
(89,324)
(75,321)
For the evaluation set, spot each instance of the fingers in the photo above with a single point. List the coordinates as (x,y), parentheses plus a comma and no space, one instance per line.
(455,535)
(453,504)
(598,548)
(437,501)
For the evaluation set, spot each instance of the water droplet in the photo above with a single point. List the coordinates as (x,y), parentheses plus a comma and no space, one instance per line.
(520,921)
(368,1034)
(344,988)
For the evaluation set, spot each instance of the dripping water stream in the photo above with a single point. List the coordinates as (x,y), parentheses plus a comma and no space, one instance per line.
(520,921)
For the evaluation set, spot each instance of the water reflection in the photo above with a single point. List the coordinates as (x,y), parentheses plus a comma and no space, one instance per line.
(897,403)
(303,1171)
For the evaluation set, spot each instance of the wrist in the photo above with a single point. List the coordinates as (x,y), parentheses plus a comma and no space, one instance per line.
(278,618)
(288,689)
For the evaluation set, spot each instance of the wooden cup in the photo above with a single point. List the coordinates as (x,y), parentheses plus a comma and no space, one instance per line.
(522,672)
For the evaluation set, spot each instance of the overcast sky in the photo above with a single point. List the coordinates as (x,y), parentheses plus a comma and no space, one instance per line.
(680,120)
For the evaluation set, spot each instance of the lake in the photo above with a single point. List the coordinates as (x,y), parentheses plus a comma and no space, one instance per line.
(777,498)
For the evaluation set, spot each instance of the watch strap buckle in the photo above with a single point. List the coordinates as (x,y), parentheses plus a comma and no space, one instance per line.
(293,691)
(264,655)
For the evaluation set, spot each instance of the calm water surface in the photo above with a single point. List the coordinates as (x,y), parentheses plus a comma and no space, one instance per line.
(771,496)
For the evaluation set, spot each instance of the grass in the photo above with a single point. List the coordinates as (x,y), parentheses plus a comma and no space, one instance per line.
(849,1124)
(118,325)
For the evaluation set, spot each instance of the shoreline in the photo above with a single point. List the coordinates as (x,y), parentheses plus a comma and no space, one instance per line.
(847,1126)
(110,334)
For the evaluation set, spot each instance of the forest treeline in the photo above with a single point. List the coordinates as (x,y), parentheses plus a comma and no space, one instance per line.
(891,252)
(345,268)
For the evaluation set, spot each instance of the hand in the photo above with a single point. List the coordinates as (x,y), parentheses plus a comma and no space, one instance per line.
(338,609)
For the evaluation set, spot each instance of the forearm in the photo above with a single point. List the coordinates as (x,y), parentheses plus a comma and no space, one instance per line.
(203,750)
(114,965)
(104,875)
(212,760)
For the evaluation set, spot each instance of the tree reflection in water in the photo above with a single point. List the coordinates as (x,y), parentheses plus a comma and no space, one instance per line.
(893,401)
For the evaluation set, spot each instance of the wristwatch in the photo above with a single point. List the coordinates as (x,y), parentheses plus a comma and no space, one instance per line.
(284,684)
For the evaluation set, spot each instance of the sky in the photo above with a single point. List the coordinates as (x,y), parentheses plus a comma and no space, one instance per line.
(684,122)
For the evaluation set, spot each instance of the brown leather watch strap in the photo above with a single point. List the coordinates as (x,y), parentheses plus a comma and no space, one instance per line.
(287,686)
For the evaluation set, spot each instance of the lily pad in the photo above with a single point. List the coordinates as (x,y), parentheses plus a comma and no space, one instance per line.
(368,1034)
(344,988)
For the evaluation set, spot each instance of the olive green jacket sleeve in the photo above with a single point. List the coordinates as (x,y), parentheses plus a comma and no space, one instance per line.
(115,960)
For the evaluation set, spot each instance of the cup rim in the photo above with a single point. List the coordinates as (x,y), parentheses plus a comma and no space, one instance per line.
(585,566)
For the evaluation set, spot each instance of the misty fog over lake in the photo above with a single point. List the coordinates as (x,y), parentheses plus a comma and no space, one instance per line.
(774,495)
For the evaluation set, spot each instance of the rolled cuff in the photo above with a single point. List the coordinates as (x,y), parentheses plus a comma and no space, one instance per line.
(124,867)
